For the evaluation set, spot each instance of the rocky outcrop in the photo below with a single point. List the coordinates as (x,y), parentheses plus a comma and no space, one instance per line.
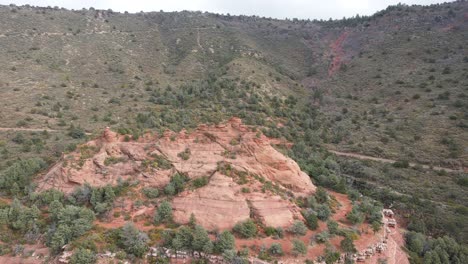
(248,177)
(273,210)
(217,205)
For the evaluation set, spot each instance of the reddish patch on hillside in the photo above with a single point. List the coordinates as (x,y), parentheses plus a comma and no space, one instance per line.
(337,52)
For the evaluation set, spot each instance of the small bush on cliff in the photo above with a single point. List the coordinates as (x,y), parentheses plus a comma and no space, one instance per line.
(176,185)
(150,192)
(246,229)
(298,228)
(113,160)
(311,219)
(163,213)
(185,155)
(200,182)
(323,212)
(321,195)
(355,216)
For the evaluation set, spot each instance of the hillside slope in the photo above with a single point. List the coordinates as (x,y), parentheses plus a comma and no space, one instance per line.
(390,87)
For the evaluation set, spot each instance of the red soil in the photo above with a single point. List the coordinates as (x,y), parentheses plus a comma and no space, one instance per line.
(337,52)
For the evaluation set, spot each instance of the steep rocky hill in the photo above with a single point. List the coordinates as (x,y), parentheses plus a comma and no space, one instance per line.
(242,173)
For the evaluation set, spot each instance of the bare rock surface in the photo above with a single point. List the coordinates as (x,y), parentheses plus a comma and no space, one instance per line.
(274,211)
(216,205)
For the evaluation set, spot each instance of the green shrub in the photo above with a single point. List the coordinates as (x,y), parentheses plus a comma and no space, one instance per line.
(224,241)
(401,164)
(19,175)
(246,229)
(311,219)
(245,190)
(185,155)
(299,248)
(347,245)
(323,212)
(83,256)
(276,249)
(200,182)
(332,227)
(298,228)
(355,216)
(176,185)
(322,237)
(163,214)
(331,255)
(76,132)
(133,241)
(150,192)
(72,222)
(113,160)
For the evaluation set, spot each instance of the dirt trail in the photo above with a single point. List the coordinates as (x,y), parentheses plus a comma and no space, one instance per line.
(34,130)
(346,207)
(28,129)
(198,38)
(411,164)
(395,253)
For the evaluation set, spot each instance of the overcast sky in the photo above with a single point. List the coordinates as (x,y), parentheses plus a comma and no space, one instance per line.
(319,9)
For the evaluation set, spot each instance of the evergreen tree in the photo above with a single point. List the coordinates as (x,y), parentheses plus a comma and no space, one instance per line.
(347,245)
(225,241)
(201,241)
(134,242)
(163,213)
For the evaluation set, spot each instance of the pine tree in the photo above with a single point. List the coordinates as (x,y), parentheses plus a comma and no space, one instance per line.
(201,241)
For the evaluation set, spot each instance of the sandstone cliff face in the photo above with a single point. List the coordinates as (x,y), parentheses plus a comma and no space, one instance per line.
(218,205)
(247,177)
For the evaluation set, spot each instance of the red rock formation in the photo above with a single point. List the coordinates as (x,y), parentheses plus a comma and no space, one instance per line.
(270,177)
